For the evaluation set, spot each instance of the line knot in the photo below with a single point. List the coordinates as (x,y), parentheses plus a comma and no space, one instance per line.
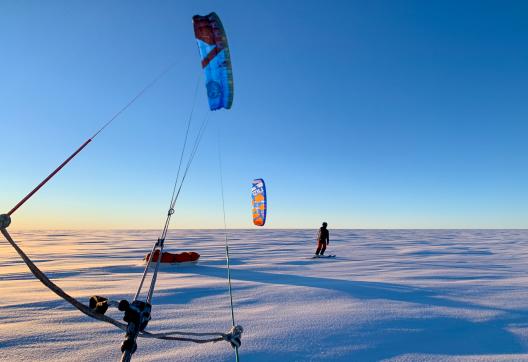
(234,336)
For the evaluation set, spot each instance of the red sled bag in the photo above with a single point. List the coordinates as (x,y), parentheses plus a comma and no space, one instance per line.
(167,257)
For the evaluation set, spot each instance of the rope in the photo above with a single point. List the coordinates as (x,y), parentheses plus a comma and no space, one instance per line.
(52,174)
(145,271)
(232,336)
(198,140)
(135,98)
(161,240)
(185,141)
(171,210)
(175,194)
(227,246)
(155,274)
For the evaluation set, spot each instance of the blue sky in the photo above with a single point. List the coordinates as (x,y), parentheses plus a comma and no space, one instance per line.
(366,114)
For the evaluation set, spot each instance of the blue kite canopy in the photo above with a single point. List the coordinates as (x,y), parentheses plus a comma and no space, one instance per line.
(216,61)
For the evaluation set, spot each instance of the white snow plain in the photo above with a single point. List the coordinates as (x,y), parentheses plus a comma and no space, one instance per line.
(389,295)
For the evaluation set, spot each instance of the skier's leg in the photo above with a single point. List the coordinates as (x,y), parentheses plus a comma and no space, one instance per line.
(319,245)
(324,248)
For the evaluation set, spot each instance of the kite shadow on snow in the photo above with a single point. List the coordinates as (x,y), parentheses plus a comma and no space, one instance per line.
(435,335)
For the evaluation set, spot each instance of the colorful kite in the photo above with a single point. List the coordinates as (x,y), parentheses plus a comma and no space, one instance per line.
(259,202)
(216,62)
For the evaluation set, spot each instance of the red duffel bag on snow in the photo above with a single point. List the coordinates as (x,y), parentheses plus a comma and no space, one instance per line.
(167,257)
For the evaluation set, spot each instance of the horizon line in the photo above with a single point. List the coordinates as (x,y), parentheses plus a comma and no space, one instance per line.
(254,229)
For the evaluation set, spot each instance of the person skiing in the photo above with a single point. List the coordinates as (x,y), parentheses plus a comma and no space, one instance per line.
(323,239)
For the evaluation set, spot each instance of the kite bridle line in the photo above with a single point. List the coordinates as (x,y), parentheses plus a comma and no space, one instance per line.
(228,266)
(117,114)
(137,313)
(171,204)
(142,312)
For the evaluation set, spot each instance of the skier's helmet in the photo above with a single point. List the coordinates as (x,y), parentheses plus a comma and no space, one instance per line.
(325,224)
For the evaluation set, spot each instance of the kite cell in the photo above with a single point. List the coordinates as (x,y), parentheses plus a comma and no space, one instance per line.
(216,62)
(259,202)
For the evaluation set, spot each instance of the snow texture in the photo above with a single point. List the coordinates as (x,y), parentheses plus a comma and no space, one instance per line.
(389,295)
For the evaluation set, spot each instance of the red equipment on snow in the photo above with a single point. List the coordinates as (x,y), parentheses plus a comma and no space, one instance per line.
(167,257)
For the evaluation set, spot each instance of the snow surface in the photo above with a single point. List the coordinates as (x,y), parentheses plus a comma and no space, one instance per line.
(392,295)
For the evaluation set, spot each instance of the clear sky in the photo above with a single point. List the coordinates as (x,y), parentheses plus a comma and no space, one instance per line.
(366,114)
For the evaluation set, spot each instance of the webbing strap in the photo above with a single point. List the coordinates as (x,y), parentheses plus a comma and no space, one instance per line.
(39,274)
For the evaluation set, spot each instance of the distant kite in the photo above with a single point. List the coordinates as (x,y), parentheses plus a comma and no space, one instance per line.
(259,202)
(216,62)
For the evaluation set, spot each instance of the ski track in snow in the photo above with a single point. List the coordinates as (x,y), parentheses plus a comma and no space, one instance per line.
(390,295)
